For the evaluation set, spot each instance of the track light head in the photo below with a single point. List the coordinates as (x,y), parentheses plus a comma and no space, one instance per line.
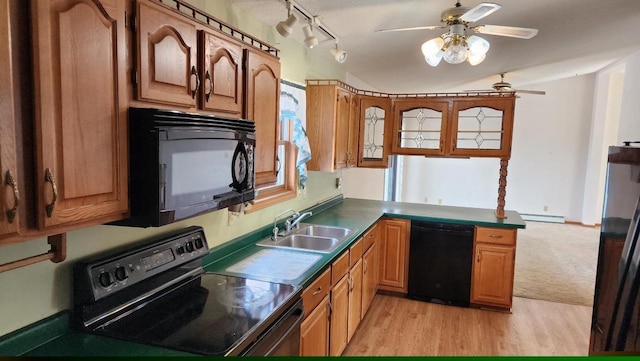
(339,54)
(309,39)
(285,28)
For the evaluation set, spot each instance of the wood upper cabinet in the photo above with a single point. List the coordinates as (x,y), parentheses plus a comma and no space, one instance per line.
(10,195)
(454,126)
(376,127)
(394,254)
(332,127)
(263,107)
(482,127)
(493,267)
(166,56)
(80,105)
(221,74)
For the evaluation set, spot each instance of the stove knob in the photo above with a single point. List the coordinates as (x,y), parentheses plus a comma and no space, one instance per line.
(105,280)
(189,247)
(199,243)
(121,273)
(180,250)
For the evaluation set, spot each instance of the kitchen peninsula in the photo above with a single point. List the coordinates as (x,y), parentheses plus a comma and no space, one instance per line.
(53,336)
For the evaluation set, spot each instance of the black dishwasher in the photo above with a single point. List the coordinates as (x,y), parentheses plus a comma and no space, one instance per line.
(440,259)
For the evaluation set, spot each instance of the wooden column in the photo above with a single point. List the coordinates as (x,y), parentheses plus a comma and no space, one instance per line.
(502,188)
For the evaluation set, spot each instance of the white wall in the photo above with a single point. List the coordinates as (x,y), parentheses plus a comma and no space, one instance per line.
(629,116)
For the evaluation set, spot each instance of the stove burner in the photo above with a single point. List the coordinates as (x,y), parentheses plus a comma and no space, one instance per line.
(246,296)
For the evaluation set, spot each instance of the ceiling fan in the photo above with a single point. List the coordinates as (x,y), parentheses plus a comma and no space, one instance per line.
(455,46)
(503,86)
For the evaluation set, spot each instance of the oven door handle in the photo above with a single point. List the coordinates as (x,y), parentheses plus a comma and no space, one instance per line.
(257,349)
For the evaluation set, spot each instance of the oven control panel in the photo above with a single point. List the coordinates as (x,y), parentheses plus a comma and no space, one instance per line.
(108,275)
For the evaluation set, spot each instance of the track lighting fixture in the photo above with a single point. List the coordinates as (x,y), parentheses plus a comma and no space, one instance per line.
(285,28)
(310,40)
(339,54)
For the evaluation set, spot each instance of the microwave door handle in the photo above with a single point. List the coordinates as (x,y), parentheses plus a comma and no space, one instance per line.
(163,184)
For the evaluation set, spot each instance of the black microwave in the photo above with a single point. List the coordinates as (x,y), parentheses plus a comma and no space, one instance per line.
(184,164)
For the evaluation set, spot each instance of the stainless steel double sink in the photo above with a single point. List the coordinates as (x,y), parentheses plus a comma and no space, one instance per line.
(311,237)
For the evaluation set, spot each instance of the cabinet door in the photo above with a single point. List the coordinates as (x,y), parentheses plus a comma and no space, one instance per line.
(352,143)
(355,298)
(482,127)
(420,127)
(221,75)
(369,277)
(314,331)
(339,316)
(166,56)
(394,254)
(80,110)
(375,131)
(9,196)
(343,118)
(262,102)
(492,282)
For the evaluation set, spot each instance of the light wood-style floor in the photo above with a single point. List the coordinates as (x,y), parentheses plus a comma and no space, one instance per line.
(396,326)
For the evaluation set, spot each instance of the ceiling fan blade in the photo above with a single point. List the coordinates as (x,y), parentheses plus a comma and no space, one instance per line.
(411,28)
(539,92)
(479,11)
(511,31)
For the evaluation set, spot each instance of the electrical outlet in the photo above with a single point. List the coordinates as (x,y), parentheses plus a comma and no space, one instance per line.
(439,200)
(338,182)
(546,208)
(426,200)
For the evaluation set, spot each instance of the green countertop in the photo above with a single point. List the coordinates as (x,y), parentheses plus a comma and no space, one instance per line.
(52,336)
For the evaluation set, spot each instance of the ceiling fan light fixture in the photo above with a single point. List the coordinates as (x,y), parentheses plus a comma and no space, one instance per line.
(309,39)
(456,50)
(432,47)
(475,59)
(477,45)
(435,59)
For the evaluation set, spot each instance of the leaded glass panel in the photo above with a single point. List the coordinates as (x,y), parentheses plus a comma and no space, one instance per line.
(421,129)
(479,128)
(373,132)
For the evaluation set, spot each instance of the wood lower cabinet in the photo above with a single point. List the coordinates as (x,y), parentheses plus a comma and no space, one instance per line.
(355,299)
(314,331)
(493,267)
(394,254)
(80,111)
(369,277)
(339,316)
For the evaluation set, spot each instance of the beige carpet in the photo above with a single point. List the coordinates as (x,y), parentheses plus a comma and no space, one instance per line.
(556,262)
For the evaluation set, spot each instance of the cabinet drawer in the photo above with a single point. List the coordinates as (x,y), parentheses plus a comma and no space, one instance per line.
(355,252)
(339,268)
(316,291)
(503,236)
(369,238)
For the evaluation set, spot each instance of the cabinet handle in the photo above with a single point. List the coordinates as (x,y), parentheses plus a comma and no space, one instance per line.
(495,236)
(350,283)
(207,77)
(364,266)
(10,181)
(317,292)
(48,177)
(478,257)
(195,84)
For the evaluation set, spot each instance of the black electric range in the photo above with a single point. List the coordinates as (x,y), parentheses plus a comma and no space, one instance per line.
(157,293)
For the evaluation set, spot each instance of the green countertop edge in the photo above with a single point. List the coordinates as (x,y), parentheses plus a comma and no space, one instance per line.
(47,334)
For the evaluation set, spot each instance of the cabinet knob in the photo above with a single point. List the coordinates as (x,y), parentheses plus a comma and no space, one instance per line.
(11,181)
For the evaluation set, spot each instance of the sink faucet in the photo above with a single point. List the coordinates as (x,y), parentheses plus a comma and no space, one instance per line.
(294,221)
(274,236)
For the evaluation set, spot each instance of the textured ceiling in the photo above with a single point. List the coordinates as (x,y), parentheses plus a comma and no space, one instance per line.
(575,37)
